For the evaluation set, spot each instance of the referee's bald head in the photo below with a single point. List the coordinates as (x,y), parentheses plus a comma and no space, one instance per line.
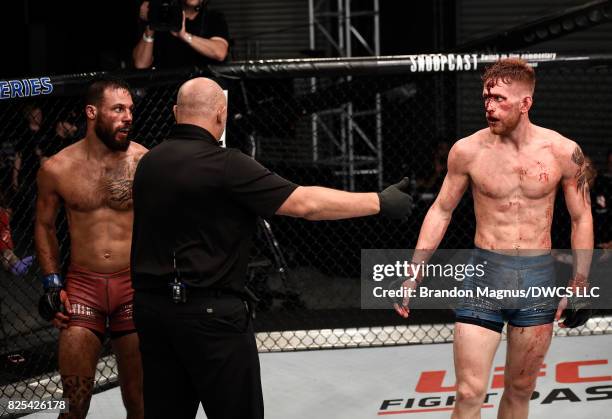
(201,102)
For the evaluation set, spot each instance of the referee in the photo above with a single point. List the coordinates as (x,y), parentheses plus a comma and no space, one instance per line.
(195,210)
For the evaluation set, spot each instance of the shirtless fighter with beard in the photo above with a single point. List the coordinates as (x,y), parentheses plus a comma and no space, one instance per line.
(93,179)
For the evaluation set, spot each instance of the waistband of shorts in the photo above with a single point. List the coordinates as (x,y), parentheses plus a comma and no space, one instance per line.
(76,270)
(513,261)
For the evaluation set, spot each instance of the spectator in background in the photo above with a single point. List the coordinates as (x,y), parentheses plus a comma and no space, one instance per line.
(10,262)
(606,173)
(602,200)
(432,181)
(28,147)
(202,39)
(7,169)
(65,134)
(28,154)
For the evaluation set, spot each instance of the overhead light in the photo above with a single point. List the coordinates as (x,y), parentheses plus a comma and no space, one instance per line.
(581,20)
(529,37)
(542,33)
(595,15)
(554,25)
(568,24)
(554,28)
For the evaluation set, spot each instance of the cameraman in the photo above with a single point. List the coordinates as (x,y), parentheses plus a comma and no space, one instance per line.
(201,40)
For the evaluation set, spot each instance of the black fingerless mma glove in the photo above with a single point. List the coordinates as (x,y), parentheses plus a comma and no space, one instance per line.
(576,318)
(50,302)
(577,313)
(395,202)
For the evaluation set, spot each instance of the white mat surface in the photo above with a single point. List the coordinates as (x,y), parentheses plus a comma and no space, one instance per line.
(354,383)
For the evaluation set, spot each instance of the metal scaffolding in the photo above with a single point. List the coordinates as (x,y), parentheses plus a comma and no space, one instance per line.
(357,145)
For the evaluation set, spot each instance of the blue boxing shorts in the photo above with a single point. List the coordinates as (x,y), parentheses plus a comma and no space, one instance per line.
(510,290)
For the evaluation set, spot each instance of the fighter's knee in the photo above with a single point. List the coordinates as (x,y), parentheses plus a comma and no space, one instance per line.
(520,388)
(471,392)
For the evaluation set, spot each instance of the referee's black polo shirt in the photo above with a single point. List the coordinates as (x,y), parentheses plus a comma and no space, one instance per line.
(200,200)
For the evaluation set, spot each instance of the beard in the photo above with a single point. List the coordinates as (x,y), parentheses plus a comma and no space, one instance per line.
(108,137)
(505,126)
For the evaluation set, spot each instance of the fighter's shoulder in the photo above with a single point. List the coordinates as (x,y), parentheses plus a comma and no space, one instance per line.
(561,147)
(466,148)
(137,150)
(62,161)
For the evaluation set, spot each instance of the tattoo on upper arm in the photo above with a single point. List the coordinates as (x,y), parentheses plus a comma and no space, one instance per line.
(582,181)
(578,157)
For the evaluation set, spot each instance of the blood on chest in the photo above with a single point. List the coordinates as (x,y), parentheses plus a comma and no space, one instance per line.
(503,180)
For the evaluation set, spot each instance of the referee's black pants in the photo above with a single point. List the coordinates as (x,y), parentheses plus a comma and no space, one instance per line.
(200,351)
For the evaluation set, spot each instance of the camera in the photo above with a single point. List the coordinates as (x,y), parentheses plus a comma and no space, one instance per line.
(165,15)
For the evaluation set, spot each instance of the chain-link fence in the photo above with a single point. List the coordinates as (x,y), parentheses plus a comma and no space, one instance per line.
(357,128)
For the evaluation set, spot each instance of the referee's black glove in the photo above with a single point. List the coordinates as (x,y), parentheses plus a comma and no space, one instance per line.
(395,202)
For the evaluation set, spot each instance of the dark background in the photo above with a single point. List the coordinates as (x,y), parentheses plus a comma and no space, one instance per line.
(65,37)
(60,37)
(42,37)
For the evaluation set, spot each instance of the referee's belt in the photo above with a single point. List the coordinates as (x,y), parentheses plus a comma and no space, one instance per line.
(198,292)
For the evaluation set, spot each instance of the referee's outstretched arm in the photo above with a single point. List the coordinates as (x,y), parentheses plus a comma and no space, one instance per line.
(318,203)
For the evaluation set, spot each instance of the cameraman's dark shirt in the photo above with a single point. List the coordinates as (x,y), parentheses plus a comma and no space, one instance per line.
(170,51)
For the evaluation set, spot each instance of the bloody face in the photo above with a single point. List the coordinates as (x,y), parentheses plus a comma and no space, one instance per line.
(114,119)
(502,106)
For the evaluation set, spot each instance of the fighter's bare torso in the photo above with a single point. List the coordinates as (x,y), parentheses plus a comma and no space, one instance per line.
(97,195)
(514,187)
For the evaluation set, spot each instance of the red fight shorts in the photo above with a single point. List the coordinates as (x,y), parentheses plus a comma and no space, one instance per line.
(6,241)
(100,300)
